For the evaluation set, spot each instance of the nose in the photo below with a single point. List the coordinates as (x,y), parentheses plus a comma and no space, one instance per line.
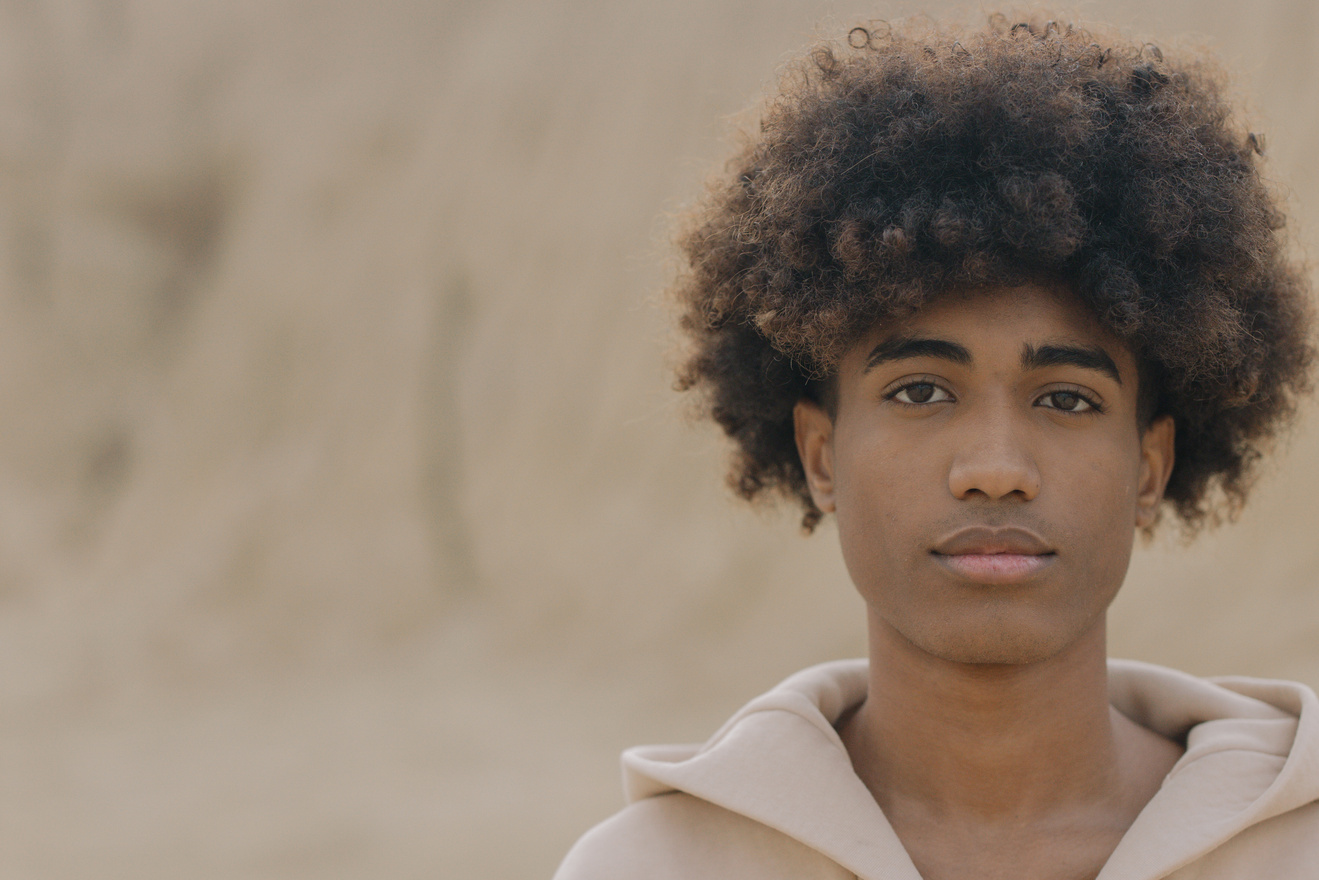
(994,462)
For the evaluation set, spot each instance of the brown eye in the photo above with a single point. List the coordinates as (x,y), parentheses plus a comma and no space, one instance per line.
(920,392)
(1067,401)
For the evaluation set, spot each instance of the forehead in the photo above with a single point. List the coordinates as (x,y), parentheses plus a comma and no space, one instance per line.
(1026,314)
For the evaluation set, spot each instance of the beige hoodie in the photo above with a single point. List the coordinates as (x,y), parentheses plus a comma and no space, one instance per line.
(772,794)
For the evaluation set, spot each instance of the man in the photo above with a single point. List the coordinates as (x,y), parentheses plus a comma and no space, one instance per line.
(994,300)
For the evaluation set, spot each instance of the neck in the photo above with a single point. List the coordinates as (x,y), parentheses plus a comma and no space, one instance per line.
(994,741)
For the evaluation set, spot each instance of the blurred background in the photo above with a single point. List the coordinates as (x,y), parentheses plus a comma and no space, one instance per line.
(348,524)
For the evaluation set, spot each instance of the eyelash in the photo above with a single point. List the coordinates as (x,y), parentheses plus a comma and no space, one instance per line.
(894,392)
(1093,405)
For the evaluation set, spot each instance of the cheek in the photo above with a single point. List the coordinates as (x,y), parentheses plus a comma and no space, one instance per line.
(1102,495)
(1111,477)
(883,489)
(867,472)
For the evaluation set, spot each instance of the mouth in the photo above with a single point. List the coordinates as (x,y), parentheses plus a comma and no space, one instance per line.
(987,555)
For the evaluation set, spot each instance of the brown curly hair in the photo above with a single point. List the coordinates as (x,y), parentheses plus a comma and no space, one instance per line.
(908,160)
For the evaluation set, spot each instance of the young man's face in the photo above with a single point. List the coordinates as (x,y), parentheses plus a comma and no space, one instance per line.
(987,471)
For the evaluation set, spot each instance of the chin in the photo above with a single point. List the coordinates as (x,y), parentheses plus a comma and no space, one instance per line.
(1001,644)
(996,653)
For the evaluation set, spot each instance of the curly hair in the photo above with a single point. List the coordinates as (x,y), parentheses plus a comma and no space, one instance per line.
(909,160)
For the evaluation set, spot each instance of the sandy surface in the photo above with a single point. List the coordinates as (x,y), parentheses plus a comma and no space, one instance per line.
(347,524)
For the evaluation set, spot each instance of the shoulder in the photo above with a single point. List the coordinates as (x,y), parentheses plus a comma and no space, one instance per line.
(675,835)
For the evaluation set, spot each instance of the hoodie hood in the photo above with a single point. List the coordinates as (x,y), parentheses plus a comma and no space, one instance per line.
(1252,755)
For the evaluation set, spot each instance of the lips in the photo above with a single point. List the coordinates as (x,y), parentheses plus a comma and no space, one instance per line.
(989,540)
(994,555)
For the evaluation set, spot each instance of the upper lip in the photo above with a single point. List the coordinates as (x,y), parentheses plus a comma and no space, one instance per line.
(990,540)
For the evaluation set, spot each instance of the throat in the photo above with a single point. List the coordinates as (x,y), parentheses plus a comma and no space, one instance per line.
(1014,764)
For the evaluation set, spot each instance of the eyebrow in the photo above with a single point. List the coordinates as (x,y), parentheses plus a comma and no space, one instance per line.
(1032,357)
(1085,357)
(901,347)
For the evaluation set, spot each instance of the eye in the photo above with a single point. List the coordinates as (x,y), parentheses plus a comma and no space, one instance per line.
(1068,400)
(916,393)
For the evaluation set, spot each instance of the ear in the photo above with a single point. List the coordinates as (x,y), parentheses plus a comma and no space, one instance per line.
(814,430)
(1157,443)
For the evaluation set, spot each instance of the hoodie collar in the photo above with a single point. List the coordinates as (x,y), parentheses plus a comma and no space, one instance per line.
(780,761)
(1252,753)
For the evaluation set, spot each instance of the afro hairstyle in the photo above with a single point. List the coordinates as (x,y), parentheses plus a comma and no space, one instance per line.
(912,159)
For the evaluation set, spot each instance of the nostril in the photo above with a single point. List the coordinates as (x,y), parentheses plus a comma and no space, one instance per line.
(994,476)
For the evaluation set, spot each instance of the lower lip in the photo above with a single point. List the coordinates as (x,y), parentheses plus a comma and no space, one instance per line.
(996,568)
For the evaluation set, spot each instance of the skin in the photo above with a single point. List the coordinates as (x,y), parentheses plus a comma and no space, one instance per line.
(987,470)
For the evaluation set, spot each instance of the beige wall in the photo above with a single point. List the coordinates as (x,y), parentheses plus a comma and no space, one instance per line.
(347,524)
